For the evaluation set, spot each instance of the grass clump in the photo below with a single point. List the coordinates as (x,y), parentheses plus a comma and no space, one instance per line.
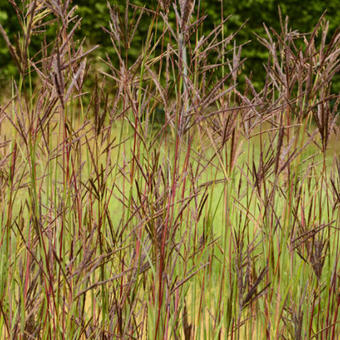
(217,220)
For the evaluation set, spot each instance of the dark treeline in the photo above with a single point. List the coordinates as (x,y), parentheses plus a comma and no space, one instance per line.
(247,17)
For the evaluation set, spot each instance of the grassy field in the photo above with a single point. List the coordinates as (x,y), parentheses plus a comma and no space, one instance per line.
(159,198)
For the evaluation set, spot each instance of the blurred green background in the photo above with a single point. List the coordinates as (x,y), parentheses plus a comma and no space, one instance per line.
(303,16)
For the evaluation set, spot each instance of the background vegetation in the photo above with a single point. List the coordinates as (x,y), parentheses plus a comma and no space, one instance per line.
(303,17)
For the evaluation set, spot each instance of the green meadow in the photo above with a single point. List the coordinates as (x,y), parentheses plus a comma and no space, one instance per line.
(167,196)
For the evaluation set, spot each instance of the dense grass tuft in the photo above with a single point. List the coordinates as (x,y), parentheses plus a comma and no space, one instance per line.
(165,200)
